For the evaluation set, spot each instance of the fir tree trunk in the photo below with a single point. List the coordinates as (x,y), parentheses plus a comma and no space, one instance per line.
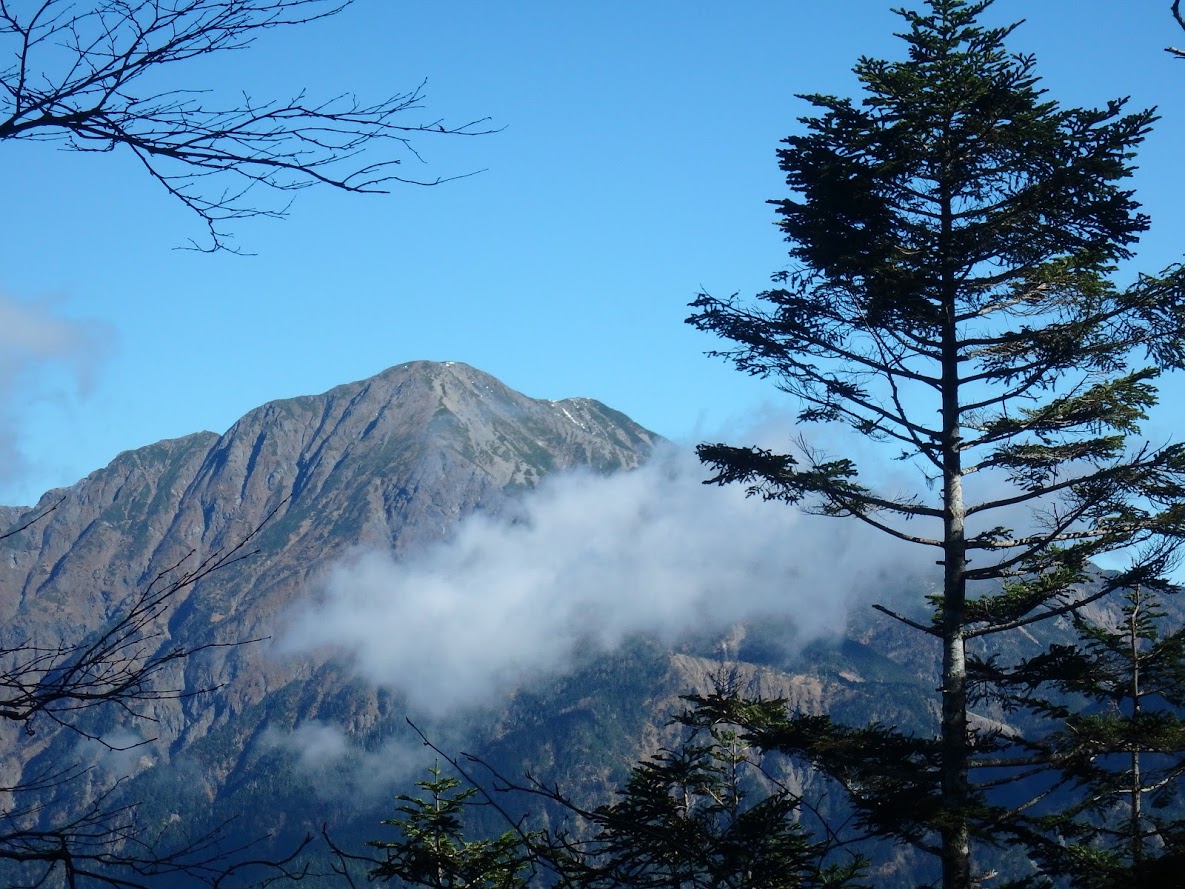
(955,795)
(956,851)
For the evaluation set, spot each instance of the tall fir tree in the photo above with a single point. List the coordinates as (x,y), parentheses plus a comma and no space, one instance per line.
(954,238)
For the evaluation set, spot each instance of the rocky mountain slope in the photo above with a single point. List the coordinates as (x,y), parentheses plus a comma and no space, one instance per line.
(396,460)
(391,462)
(289,743)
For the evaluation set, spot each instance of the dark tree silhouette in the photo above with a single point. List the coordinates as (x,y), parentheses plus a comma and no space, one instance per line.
(85,74)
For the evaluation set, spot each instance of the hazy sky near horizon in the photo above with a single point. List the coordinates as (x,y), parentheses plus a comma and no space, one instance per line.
(636,154)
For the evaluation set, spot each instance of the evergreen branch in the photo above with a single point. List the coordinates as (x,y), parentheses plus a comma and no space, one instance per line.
(774,477)
(886,528)
(1143,461)
(1057,610)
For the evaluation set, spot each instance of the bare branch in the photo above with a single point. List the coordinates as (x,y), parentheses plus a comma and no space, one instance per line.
(82,76)
(931,630)
(115,666)
(11,532)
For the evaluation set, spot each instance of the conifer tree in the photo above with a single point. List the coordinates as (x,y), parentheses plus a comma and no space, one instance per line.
(431,849)
(699,815)
(954,237)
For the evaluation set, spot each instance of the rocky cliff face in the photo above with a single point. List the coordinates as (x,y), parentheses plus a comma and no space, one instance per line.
(396,458)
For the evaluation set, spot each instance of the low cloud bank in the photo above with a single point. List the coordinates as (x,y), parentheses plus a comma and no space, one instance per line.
(120,753)
(588,561)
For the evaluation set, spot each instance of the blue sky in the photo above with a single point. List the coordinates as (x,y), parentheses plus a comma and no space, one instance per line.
(635,159)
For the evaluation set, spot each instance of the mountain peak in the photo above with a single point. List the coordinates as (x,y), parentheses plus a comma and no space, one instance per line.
(427,410)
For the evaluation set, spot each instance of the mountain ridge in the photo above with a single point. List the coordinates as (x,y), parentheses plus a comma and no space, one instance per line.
(402,377)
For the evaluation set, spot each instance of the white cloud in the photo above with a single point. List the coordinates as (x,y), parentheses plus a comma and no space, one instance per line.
(43,354)
(319,744)
(588,561)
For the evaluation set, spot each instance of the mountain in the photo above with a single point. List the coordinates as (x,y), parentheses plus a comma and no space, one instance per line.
(395,459)
(392,462)
(286,743)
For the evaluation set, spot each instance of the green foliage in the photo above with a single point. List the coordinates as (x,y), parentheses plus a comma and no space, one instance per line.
(1118,695)
(891,776)
(685,818)
(701,815)
(431,850)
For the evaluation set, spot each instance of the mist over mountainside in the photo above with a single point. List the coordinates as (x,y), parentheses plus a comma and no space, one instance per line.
(428,555)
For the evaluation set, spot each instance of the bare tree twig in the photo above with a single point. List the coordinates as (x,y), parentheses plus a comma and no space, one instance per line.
(115,666)
(82,75)
(12,532)
(905,620)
